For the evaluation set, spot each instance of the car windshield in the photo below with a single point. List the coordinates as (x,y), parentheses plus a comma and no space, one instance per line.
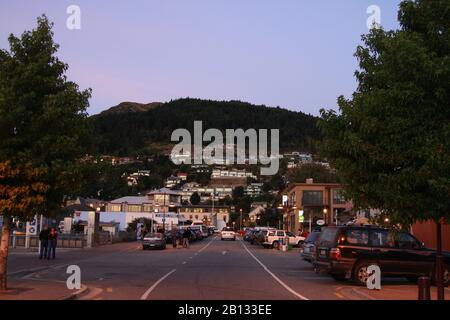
(154,235)
(227,229)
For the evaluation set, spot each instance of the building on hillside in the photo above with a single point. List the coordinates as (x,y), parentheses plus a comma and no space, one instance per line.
(172,182)
(254,190)
(183,176)
(133,179)
(256,213)
(230,182)
(205,193)
(308,203)
(234,173)
(200,168)
(218,216)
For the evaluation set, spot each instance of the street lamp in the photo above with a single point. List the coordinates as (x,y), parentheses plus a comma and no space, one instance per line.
(240,220)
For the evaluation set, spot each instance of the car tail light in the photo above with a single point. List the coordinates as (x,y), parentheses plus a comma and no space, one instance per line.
(335,254)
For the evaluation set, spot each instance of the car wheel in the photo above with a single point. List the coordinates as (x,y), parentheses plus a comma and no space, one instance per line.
(338,276)
(360,274)
(275,245)
(300,244)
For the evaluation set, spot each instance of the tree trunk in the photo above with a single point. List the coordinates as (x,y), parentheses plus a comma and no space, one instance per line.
(439,269)
(4,246)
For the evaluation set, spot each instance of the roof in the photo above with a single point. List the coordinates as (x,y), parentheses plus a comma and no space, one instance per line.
(164,191)
(132,200)
(315,184)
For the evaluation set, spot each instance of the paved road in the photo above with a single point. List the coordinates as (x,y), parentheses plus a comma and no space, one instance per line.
(209,269)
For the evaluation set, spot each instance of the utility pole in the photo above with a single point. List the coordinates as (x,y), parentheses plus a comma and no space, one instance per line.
(240,222)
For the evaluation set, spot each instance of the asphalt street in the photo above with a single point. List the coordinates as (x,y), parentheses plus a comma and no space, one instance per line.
(210,269)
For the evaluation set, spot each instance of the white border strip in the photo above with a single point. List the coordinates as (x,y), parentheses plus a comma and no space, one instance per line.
(298,295)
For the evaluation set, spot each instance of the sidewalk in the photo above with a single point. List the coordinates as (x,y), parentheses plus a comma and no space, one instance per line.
(38,290)
(389,292)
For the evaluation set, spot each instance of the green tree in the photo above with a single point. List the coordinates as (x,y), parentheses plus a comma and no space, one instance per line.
(194,199)
(390,141)
(42,129)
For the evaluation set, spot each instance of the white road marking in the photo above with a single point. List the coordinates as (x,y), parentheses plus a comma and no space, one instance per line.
(298,295)
(224,252)
(205,247)
(147,293)
(184,262)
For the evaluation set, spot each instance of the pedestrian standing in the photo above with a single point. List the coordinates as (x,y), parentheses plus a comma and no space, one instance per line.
(186,236)
(52,241)
(174,237)
(43,239)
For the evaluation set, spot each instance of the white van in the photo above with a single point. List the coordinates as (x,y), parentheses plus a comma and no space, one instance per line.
(200,226)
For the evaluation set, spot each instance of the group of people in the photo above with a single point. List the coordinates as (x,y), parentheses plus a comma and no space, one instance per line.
(186,236)
(48,240)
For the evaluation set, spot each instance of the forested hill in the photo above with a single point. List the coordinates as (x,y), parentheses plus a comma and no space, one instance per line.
(130,128)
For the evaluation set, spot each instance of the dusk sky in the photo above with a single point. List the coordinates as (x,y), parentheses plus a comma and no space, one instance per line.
(293,54)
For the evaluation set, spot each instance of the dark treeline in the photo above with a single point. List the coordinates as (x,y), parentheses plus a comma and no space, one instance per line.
(127,133)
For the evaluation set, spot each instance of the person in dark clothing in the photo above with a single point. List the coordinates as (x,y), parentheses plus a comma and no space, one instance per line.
(186,237)
(43,239)
(52,240)
(174,237)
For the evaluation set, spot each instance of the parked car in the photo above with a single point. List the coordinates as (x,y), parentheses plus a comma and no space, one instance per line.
(227,234)
(274,238)
(248,234)
(260,235)
(154,240)
(309,246)
(347,252)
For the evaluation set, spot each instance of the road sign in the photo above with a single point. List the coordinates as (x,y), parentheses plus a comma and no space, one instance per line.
(301,219)
(320,222)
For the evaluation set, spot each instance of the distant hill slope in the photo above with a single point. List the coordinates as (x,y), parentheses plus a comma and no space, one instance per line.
(126,107)
(130,128)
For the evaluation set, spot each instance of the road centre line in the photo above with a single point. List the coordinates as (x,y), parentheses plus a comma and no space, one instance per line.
(298,295)
(147,293)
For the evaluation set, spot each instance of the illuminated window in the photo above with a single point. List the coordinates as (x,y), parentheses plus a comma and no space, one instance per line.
(115,208)
(134,208)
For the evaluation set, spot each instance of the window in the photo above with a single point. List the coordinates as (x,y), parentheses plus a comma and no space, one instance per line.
(280,233)
(381,238)
(338,197)
(358,236)
(406,241)
(290,234)
(134,208)
(312,198)
(147,208)
(328,236)
(116,208)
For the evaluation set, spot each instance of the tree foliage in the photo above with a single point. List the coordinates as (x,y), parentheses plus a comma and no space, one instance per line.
(42,130)
(390,140)
(317,172)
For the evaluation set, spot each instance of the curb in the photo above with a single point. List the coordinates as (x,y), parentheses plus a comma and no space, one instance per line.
(76,295)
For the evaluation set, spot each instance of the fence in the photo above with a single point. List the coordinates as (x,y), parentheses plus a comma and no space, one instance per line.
(64,241)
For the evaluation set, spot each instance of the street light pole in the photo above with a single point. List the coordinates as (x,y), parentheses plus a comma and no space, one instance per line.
(240,220)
